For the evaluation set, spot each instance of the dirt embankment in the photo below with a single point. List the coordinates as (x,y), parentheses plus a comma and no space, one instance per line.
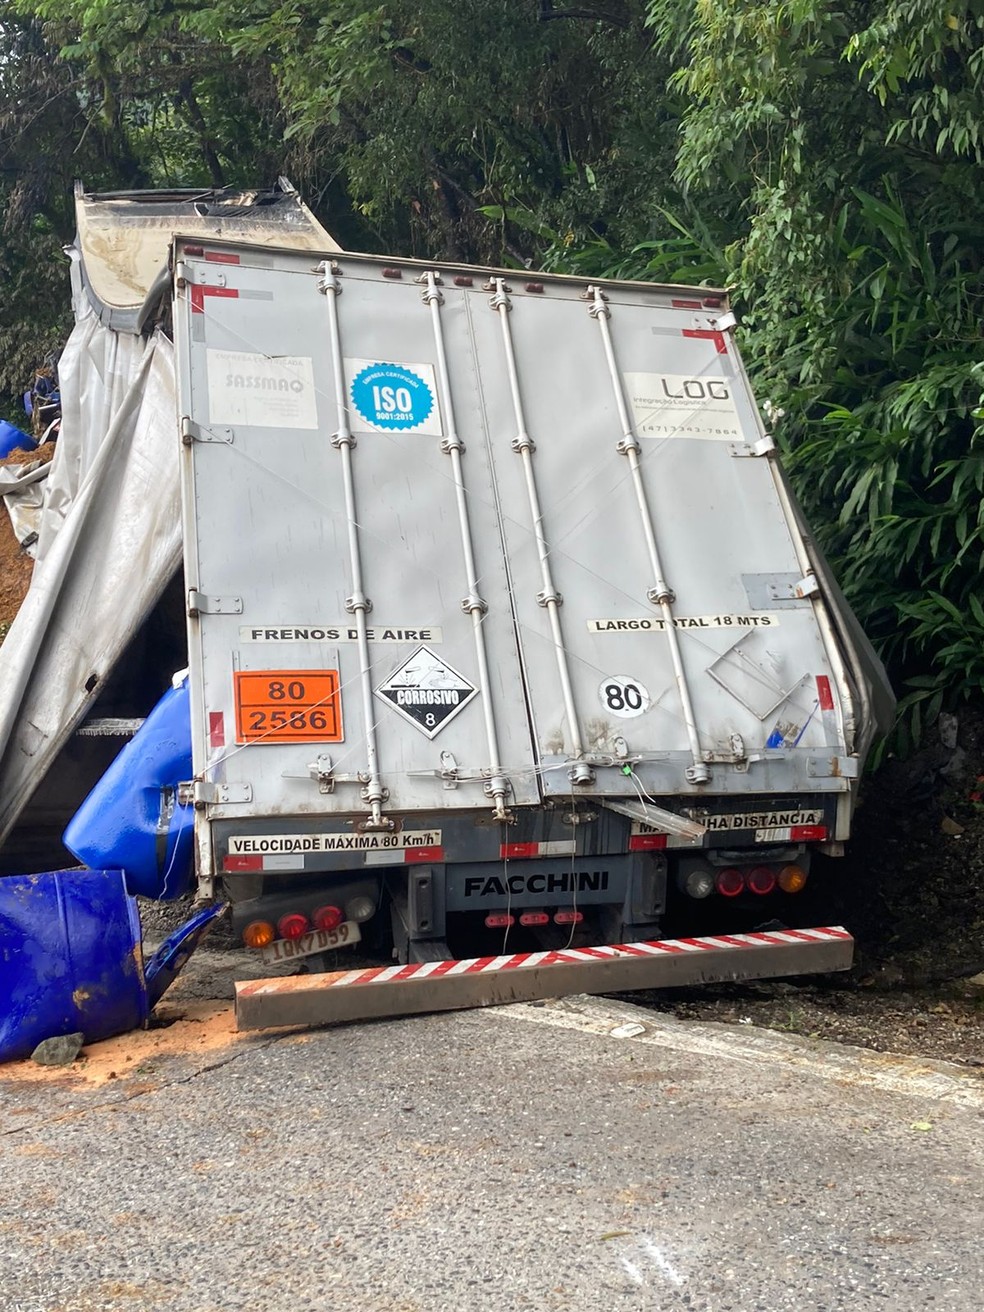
(15,564)
(912,885)
(911,890)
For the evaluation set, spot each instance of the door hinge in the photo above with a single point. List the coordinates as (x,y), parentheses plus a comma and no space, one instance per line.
(832,767)
(200,603)
(807,587)
(762,446)
(200,793)
(191,431)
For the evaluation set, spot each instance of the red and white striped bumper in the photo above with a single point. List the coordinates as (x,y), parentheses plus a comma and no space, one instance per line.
(524,976)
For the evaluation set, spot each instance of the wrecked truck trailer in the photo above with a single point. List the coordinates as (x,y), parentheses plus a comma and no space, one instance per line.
(101,630)
(504,628)
(502,616)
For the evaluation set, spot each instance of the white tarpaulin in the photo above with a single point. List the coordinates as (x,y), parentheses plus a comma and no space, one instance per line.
(109,536)
(110,540)
(22,490)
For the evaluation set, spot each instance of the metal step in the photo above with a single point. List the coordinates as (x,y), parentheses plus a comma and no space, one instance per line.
(524,976)
(110,727)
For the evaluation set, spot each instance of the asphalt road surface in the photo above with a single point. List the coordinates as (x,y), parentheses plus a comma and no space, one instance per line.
(573,1155)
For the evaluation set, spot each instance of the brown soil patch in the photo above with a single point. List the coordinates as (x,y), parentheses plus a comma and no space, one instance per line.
(15,564)
(186,1031)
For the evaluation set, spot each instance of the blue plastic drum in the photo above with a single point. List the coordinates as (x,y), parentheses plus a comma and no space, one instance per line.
(14,439)
(132,819)
(70,959)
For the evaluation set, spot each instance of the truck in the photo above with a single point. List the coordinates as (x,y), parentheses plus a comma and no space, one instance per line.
(505,631)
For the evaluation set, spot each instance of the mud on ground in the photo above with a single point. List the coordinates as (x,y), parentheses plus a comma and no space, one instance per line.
(15,564)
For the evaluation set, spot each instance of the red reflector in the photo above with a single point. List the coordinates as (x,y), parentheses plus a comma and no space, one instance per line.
(499,920)
(413,854)
(392,273)
(199,291)
(720,345)
(293,925)
(761,880)
(232,864)
(647,842)
(221,257)
(512,851)
(807,833)
(534,918)
(216,728)
(327,918)
(730,882)
(568,917)
(194,250)
(685,305)
(824,695)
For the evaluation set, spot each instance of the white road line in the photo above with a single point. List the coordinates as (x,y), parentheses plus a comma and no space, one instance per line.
(911,1076)
(666,1267)
(632,1271)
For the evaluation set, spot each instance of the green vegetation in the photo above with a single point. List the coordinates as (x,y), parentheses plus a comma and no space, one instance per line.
(824,161)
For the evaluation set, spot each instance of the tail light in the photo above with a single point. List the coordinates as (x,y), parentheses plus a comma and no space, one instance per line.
(360,908)
(293,925)
(730,882)
(792,879)
(534,918)
(499,920)
(258,933)
(568,917)
(328,918)
(761,880)
(699,883)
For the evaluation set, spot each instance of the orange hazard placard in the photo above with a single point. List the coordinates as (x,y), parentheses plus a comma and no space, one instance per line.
(288,706)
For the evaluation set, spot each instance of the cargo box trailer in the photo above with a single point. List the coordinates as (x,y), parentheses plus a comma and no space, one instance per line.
(501,611)
(503,625)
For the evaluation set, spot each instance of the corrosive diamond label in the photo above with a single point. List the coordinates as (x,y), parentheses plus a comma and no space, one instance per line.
(427,691)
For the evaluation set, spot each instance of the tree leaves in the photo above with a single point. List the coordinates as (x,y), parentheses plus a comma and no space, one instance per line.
(823,161)
(853,137)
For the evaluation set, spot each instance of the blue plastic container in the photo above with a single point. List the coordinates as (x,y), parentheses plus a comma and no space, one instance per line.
(70,959)
(14,439)
(131,820)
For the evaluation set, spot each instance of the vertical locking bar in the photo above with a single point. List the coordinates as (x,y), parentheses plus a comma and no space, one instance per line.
(497,786)
(661,594)
(548,597)
(358,603)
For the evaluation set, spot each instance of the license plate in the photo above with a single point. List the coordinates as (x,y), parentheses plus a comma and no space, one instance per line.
(319,940)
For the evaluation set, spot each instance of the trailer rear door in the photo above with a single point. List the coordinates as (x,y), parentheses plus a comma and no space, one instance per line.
(458,539)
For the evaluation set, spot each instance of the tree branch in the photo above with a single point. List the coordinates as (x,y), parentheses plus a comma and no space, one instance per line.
(545,12)
(197,119)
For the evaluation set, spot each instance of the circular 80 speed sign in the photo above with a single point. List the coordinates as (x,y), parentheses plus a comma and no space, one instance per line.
(624,696)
